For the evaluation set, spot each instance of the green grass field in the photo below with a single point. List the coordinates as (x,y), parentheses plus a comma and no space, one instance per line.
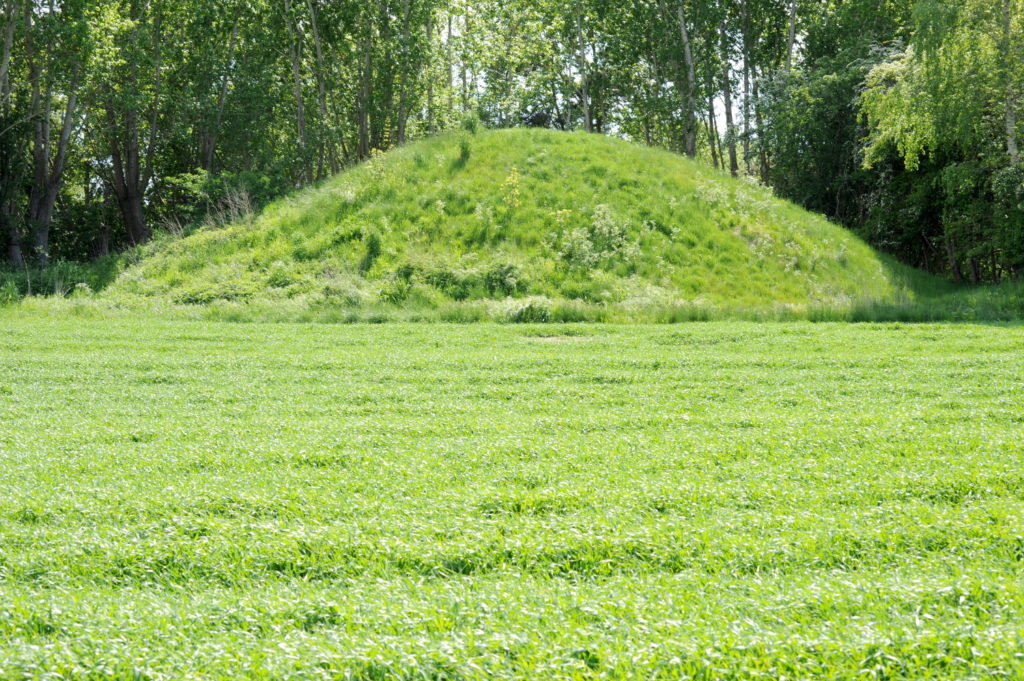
(186,500)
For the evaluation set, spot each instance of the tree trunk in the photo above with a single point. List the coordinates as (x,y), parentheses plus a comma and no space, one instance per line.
(462,62)
(48,173)
(10,13)
(712,134)
(1010,116)
(8,217)
(380,137)
(1011,131)
(716,139)
(365,92)
(507,81)
(103,237)
(130,172)
(321,87)
(791,38)
(584,78)
(103,242)
(127,185)
(730,128)
(55,179)
(559,121)
(954,259)
(300,108)
(130,205)
(14,248)
(403,75)
(430,76)
(127,177)
(762,151)
(449,62)
(690,103)
(746,86)
(39,111)
(134,219)
(154,115)
(975,271)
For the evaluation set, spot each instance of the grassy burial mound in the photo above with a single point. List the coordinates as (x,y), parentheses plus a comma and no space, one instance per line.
(524,225)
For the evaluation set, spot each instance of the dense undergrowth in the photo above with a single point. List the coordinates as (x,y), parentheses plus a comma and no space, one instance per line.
(520,226)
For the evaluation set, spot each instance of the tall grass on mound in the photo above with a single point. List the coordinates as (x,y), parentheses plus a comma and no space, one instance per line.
(578,220)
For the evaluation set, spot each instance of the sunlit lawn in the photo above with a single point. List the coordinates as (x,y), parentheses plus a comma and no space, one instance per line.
(184,500)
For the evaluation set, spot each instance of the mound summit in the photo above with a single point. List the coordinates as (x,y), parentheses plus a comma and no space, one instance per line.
(524,223)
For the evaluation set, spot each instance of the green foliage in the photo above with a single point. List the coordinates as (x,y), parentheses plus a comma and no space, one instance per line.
(556,502)
(282,275)
(455,285)
(1008,197)
(61,278)
(124,121)
(892,104)
(947,108)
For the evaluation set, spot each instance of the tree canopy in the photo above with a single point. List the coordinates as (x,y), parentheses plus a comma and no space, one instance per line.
(896,118)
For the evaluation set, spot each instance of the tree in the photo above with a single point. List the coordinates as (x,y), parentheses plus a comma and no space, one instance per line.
(55,43)
(10,134)
(948,106)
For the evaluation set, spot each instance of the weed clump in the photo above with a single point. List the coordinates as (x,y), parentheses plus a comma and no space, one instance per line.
(208,292)
(600,244)
(373,250)
(9,293)
(504,280)
(528,311)
(465,151)
(397,287)
(471,123)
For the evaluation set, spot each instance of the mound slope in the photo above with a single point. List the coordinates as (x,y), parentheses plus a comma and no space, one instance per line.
(521,222)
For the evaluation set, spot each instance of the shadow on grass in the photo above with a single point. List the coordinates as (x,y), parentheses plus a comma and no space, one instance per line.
(924,297)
